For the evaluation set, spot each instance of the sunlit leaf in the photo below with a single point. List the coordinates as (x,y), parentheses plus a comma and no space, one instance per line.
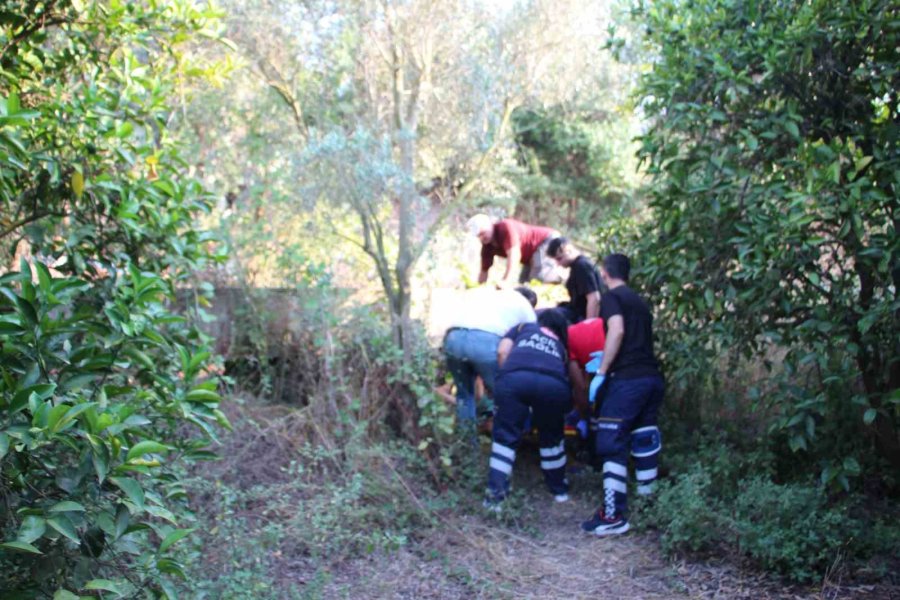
(77,183)
(146,447)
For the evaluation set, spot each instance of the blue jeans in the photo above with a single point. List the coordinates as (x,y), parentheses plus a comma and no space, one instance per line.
(628,424)
(470,352)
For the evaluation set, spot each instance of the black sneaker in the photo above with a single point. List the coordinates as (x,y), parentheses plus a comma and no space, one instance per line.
(601,525)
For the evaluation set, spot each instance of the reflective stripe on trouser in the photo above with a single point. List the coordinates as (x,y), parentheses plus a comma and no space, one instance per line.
(615,478)
(553,464)
(629,404)
(645,446)
(519,393)
(500,468)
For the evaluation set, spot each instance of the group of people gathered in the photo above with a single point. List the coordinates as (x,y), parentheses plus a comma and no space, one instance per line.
(588,362)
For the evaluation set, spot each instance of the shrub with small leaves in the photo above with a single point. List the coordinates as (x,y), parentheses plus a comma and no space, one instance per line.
(791,529)
(686,513)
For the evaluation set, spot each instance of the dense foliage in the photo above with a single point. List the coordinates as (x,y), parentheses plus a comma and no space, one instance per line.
(771,253)
(774,149)
(725,497)
(102,382)
(573,171)
(352,135)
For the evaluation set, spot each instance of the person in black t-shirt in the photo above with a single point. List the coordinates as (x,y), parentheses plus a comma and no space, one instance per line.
(632,396)
(583,282)
(533,376)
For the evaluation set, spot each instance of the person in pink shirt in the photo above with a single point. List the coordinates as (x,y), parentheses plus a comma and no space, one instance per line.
(518,242)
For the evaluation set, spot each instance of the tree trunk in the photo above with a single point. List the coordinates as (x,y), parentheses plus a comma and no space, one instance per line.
(875,383)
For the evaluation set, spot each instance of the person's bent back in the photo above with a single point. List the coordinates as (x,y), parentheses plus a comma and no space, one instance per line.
(478,322)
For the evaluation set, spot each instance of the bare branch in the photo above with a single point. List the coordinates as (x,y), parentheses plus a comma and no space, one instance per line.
(279,84)
(508,107)
(29,219)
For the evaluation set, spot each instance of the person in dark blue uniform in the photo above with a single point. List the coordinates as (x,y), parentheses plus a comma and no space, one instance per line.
(634,389)
(533,376)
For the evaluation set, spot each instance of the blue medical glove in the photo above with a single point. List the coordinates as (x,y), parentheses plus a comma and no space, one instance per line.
(582,428)
(594,364)
(596,382)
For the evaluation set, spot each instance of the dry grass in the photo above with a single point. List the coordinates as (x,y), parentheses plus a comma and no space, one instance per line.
(535,551)
(474,555)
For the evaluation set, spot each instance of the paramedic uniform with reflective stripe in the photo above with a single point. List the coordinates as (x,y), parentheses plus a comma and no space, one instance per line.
(633,394)
(533,377)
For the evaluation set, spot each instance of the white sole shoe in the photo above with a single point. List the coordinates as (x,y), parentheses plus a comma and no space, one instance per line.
(605,530)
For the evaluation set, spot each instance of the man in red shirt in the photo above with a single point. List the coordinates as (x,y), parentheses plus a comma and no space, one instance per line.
(519,243)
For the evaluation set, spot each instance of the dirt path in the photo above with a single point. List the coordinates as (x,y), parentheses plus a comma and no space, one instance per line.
(534,549)
(538,551)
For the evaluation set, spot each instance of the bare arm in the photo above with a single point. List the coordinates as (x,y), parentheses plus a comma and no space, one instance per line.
(579,388)
(482,276)
(615,332)
(593,305)
(503,350)
(513,258)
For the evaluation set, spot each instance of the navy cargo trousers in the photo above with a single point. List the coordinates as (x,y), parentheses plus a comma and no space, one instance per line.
(627,423)
(548,398)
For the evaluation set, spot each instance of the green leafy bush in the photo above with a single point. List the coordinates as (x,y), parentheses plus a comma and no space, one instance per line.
(686,513)
(772,235)
(770,252)
(572,171)
(791,529)
(721,498)
(103,386)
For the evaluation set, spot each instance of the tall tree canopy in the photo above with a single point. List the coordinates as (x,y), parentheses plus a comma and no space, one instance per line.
(437,80)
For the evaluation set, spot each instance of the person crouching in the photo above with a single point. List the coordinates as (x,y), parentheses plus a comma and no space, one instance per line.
(533,376)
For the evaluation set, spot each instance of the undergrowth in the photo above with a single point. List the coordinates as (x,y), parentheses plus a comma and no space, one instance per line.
(722,497)
(356,457)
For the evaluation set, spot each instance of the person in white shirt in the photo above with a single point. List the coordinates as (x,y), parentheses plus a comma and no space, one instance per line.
(481,318)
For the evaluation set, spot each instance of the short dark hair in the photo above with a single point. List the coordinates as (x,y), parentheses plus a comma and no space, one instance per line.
(617,266)
(529,295)
(554,246)
(554,320)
